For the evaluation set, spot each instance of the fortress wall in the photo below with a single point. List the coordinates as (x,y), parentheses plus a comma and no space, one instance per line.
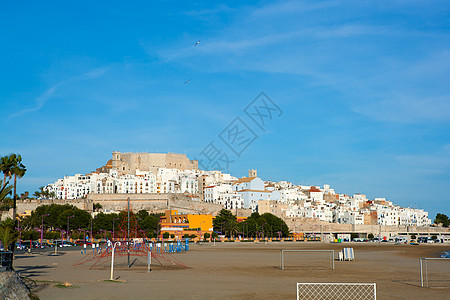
(312,225)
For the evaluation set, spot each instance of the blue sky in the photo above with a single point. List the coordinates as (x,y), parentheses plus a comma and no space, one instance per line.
(363,86)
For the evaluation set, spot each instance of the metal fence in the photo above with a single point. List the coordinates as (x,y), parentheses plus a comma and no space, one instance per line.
(354,291)
(6,260)
(424,263)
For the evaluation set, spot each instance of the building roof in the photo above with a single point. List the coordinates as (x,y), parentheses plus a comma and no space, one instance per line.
(313,189)
(257,191)
(244,179)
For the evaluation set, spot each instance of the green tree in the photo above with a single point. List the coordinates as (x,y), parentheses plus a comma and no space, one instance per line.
(97,206)
(18,171)
(370,236)
(226,223)
(207,235)
(6,165)
(5,201)
(442,219)
(264,225)
(166,235)
(8,237)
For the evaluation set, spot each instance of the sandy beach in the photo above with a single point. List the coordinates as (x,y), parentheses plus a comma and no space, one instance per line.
(240,271)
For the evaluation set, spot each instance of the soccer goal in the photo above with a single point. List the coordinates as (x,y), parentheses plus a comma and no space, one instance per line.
(354,291)
(434,272)
(329,253)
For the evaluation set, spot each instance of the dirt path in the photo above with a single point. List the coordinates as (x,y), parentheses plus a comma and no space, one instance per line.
(240,271)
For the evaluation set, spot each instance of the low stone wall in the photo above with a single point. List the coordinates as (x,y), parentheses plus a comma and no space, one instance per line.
(155,203)
(31,205)
(314,225)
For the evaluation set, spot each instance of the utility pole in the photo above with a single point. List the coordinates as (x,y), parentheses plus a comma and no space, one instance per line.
(128,234)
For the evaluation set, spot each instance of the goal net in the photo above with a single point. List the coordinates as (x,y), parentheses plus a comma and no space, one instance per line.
(293,259)
(434,272)
(354,291)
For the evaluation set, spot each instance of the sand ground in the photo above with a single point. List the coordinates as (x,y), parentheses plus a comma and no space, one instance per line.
(241,271)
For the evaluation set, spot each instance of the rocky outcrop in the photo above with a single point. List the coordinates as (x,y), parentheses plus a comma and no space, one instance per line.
(12,287)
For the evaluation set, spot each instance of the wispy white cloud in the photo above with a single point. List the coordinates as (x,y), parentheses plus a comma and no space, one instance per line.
(292,7)
(208,11)
(51,92)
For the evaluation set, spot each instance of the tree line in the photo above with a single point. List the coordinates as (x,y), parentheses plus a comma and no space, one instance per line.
(257,226)
(56,218)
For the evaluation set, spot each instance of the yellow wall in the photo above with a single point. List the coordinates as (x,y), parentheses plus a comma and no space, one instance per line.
(204,222)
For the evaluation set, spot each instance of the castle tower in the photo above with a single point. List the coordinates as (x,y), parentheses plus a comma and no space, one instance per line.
(252,173)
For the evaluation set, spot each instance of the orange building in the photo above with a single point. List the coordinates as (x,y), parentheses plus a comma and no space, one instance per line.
(179,225)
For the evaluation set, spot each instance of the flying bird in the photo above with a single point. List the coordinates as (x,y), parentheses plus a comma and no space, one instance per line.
(197,43)
(187,81)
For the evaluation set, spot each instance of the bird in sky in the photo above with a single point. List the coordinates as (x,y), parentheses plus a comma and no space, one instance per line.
(197,43)
(187,81)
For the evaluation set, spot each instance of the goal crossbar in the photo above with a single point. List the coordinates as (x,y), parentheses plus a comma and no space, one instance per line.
(329,251)
(424,261)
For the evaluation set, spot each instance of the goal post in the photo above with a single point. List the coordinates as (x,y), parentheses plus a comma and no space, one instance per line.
(282,252)
(423,264)
(354,291)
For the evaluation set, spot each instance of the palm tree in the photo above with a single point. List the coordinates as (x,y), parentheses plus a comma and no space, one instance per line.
(8,237)
(5,190)
(18,170)
(6,165)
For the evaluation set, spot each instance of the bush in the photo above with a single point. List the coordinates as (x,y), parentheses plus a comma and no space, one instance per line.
(413,236)
(166,235)
(370,236)
(172,236)
(193,236)
(207,235)
(434,238)
(186,236)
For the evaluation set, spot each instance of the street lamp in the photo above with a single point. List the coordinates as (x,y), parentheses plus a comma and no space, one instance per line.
(42,228)
(20,233)
(68,218)
(56,244)
(92,237)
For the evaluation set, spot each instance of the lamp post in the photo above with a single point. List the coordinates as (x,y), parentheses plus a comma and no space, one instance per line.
(20,233)
(56,244)
(68,218)
(92,237)
(42,228)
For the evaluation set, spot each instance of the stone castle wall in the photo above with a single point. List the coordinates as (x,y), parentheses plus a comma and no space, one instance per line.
(128,163)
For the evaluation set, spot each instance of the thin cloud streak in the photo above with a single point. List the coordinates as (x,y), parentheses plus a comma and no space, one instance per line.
(50,92)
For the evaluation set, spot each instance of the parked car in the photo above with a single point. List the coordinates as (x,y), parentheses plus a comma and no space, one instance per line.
(81,243)
(45,245)
(413,243)
(63,244)
(20,246)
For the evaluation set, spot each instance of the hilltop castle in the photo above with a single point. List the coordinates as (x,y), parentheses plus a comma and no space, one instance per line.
(128,163)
